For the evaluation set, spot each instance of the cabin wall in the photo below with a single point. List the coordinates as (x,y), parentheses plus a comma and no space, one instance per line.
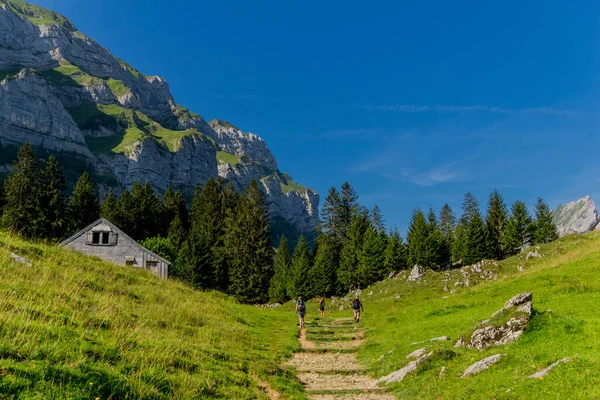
(118,254)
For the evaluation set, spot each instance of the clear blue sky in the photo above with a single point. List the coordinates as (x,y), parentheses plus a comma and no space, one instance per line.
(413,102)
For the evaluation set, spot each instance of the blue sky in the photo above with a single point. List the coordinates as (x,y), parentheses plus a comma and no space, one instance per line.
(414,103)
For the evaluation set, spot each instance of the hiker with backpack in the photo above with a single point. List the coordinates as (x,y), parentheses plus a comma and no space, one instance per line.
(357,307)
(321,301)
(301,311)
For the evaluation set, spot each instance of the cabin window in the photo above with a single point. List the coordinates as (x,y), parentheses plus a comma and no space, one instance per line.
(129,263)
(102,238)
(151,264)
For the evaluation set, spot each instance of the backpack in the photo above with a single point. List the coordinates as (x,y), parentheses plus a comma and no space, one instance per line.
(355,304)
(301,307)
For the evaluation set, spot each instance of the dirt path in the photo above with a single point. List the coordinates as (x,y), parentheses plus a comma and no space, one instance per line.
(327,364)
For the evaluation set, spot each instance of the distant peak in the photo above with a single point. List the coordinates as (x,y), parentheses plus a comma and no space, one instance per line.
(219,123)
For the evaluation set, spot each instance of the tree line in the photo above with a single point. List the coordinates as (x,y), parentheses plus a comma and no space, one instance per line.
(223,241)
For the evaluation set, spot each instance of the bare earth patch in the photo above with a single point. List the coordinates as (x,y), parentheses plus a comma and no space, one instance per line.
(325,362)
(320,382)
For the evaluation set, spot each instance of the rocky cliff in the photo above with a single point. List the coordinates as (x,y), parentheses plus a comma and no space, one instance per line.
(68,96)
(579,216)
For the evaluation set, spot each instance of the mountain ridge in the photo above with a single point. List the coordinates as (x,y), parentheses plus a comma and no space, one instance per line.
(63,92)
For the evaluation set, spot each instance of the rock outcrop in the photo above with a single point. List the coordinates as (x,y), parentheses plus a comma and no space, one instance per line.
(482,365)
(399,375)
(416,274)
(505,326)
(66,94)
(579,216)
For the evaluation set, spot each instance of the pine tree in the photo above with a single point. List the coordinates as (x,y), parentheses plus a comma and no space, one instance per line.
(350,253)
(471,211)
(323,272)
(173,205)
(281,273)
(177,233)
(496,223)
(83,206)
(545,229)
(372,257)
(51,202)
(248,241)
(476,241)
(330,214)
(448,228)
(417,238)
(299,282)
(377,219)
(348,208)
(519,229)
(395,253)
(140,212)
(436,252)
(20,193)
(110,209)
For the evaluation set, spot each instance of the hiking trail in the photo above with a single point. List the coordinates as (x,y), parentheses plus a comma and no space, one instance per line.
(327,363)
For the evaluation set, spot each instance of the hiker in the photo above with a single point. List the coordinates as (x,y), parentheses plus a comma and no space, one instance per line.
(301,311)
(321,301)
(357,307)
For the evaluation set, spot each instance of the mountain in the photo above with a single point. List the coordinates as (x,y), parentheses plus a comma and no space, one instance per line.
(579,216)
(69,96)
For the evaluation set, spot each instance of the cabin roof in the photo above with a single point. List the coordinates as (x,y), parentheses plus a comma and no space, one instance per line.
(104,223)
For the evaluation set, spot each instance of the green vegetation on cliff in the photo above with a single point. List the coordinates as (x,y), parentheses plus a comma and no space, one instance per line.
(231,159)
(38,15)
(74,327)
(131,128)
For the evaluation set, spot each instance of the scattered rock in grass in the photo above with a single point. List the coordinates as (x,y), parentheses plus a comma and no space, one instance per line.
(508,390)
(371,293)
(505,326)
(520,267)
(453,291)
(392,274)
(482,365)
(400,374)
(445,288)
(484,270)
(20,260)
(442,373)
(544,372)
(417,353)
(416,274)
(436,339)
(397,296)
(341,308)
(534,254)
(273,305)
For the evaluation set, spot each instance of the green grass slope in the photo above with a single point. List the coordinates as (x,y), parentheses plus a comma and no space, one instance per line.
(73,327)
(566,323)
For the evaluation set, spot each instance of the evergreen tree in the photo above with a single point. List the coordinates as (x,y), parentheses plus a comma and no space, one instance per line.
(471,211)
(20,194)
(173,205)
(447,228)
(330,215)
(177,233)
(496,223)
(348,272)
(372,257)
(545,229)
(83,206)
(281,273)
(348,208)
(248,241)
(436,252)
(160,246)
(110,209)
(417,238)
(377,219)
(195,261)
(519,229)
(140,212)
(476,241)
(323,272)
(299,282)
(395,253)
(51,202)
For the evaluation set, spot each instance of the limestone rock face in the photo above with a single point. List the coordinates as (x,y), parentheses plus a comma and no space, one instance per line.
(29,112)
(579,216)
(51,75)
(399,375)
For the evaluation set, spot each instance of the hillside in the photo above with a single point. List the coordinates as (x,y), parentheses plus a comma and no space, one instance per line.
(73,327)
(70,97)
(565,283)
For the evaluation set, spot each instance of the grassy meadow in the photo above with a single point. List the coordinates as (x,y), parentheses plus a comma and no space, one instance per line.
(73,327)
(566,323)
